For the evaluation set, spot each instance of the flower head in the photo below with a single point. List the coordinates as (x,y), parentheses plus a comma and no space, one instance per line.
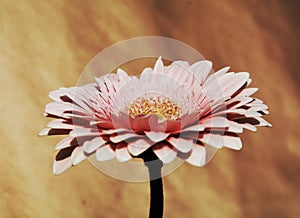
(177,110)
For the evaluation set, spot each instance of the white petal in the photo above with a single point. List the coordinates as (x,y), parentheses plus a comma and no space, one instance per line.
(198,156)
(147,70)
(55,95)
(122,153)
(64,143)
(183,145)
(92,145)
(111,131)
(59,124)
(158,67)
(139,146)
(195,128)
(258,107)
(61,166)
(165,153)
(249,127)
(44,132)
(232,83)
(201,69)
(123,76)
(123,137)
(83,132)
(157,136)
(58,108)
(221,71)
(235,127)
(248,91)
(265,111)
(215,122)
(212,140)
(242,100)
(105,153)
(233,142)
(77,155)
(263,122)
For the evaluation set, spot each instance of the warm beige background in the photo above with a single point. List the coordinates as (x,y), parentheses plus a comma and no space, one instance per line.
(44,46)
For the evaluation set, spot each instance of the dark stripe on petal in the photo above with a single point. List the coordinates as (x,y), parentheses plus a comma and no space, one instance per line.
(239,90)
(59,131)
(249,120)
(232,134)
(77,121)
(261,112)
(65,153)
(53,116)
(66,99)
(232,104)
(245,107)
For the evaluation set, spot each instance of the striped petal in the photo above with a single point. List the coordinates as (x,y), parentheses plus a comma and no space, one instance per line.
(139,146)
(93,145)
(105,153)
(183,145)
(122,153)
(156,136)
(165,152)
(198,156)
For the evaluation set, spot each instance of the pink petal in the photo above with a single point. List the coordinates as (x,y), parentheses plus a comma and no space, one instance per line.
(173,125)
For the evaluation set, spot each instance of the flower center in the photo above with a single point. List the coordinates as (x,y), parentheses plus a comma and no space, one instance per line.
(163,107)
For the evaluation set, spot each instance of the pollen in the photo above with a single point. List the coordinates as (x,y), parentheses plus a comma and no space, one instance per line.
(163,107)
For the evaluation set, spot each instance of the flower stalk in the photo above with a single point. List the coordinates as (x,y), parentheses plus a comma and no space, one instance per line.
(154,165)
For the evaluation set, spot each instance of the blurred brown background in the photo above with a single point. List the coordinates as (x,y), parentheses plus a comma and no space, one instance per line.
(46,44)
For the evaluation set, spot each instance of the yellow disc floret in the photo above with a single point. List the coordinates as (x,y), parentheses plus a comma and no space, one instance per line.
(163,107)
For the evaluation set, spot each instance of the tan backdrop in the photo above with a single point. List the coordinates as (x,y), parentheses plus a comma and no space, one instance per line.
(46,44)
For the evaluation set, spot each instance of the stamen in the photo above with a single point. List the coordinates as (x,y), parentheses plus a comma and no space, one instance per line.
(163,107)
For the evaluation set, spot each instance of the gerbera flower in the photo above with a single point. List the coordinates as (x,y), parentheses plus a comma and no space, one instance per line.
(177,111)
